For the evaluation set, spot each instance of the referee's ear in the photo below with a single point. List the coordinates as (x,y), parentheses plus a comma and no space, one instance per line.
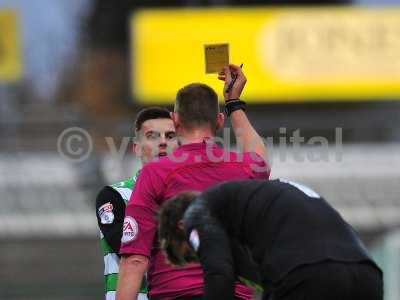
(175,119)
(220,121)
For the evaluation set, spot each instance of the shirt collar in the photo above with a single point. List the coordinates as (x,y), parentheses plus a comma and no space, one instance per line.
(198,146)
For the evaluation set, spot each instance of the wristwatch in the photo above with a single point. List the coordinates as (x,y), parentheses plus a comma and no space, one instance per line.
(234,104)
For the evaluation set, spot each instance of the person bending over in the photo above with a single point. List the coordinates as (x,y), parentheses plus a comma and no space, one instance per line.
(277,234)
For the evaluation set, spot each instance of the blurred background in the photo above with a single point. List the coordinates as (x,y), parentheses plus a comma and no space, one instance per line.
(323,73)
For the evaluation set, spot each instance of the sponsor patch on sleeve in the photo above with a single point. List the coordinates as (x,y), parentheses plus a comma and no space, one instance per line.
(130,230)
(194,239)
(106,214)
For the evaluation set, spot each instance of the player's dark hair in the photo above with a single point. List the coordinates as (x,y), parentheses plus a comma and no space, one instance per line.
(197,105)
(171,236)
(150,113)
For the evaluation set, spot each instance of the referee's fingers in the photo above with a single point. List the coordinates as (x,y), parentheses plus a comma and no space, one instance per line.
(228,75)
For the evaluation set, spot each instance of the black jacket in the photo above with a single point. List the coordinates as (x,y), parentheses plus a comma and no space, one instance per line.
(271,226)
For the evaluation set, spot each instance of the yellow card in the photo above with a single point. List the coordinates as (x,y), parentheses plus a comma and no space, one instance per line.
(217,56)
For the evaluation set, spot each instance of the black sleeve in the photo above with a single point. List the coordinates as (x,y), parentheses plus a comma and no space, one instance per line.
(209,239)
(245,267)
(216,259)
(110,225)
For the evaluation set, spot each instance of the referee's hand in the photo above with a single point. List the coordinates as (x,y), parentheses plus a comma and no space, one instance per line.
(227,75)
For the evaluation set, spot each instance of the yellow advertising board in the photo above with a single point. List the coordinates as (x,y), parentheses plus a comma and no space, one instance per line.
(288,54)
(10,48)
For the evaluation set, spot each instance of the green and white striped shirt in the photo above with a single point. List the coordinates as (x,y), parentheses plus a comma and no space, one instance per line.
(111,259)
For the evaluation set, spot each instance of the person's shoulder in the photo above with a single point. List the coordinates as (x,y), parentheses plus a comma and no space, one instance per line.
(258,164)
(161,166)
(222,187)
(240,154)
(125,183)
(235,186)
(105,191)
(253,156)
(247,157)
(106,194)
(108,203)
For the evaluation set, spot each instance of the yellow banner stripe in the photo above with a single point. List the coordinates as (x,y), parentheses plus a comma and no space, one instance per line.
(289,54)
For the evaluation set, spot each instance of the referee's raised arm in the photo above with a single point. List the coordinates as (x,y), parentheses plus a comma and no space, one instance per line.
(246,136)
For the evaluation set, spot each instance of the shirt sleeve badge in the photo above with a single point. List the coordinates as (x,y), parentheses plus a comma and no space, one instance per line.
(106,214)
(130,230)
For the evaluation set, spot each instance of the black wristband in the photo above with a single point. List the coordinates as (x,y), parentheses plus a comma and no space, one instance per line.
(234,104)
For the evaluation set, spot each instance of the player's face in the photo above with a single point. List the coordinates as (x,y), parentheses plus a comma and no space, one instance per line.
(157,138)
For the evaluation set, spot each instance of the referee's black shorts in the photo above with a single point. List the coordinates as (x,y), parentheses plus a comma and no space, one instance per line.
(331,280)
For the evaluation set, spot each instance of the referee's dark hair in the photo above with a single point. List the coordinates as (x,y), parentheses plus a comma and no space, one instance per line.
(150,113)
(170,234)
(197,105)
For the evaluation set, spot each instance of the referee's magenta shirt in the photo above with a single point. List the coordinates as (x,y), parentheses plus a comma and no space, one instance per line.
(194,167)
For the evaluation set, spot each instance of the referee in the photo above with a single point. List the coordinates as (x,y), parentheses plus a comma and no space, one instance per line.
(277,235)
